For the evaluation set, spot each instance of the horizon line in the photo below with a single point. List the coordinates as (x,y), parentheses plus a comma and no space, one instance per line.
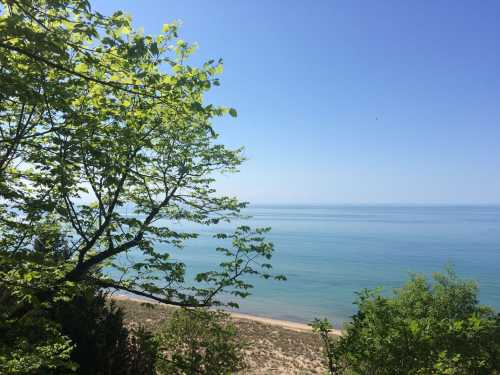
(371,204)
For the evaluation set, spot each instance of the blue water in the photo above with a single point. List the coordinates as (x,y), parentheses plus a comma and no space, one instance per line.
(330,252)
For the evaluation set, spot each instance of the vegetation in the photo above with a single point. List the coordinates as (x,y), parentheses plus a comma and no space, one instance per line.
(105,140)
(268,350)
(425,328)
(331,348)
(30,340)
(200,341)
(102,343)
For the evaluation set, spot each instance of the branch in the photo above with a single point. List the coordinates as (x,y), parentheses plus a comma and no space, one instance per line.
(82,267)
(52,64)
(108,284)
(111,208)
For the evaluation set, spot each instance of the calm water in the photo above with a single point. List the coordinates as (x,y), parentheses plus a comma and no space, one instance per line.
(330,252)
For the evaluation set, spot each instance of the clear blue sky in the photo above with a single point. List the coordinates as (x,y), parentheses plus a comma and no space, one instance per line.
(351,101)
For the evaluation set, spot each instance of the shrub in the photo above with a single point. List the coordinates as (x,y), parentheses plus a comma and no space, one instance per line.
(331,350)
(102,343)
(33,345)
(425,328)
(98,332)
(200,341)
(143,352)
(30,341)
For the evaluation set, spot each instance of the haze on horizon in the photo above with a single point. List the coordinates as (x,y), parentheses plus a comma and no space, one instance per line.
(349,101)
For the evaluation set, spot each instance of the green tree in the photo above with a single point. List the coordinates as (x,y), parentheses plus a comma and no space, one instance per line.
(104,131)
(425,328)
(200,342)
(105,142)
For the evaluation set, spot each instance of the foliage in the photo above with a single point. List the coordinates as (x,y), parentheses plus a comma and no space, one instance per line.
(102,343)
(142,353)
(331,351)
(33,346)
(425,328)
(200,341)
(104,131)
(105,142)
(31,342)
(81,334)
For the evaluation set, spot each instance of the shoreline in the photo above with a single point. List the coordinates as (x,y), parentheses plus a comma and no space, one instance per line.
(292,326)
(287,324)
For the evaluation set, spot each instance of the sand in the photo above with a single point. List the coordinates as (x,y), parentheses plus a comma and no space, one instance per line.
(294,326)
(274,346)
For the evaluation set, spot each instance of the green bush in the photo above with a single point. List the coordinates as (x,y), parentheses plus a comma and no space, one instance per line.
(31,342)
(425,328)
(331,346)
(201,342)
(97,331)
(80,334)
(34,345)
(142,353)
(102,343)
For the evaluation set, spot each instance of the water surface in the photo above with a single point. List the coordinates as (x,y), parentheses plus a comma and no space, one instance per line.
(330,252)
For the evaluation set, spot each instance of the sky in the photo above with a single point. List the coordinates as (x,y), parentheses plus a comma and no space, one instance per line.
(350,101)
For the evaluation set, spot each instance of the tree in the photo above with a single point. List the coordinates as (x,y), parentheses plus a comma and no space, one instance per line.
(104,132)
(425,328)
(105,141)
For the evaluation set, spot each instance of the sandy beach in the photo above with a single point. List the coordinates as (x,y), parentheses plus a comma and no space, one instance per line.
(274,346)
(294,326)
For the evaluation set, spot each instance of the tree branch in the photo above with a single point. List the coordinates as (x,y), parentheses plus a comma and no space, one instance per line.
(108,284)
(119,86)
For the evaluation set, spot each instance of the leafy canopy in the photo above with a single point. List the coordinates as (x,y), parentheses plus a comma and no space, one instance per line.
(105,142)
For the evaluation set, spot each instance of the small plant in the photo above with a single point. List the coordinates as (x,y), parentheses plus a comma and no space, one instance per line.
(199,342)
(331,347)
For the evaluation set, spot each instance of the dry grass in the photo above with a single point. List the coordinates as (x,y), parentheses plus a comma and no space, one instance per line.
(271,349)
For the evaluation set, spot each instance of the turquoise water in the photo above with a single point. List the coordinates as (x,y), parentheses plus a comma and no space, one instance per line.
(330,252)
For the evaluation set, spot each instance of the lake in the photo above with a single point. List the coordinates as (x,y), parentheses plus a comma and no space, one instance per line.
(330,252)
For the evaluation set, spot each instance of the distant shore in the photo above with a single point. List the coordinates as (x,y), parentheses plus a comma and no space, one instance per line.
(293,326)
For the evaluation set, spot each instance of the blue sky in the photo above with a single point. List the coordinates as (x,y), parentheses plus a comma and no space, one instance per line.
(350,101)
